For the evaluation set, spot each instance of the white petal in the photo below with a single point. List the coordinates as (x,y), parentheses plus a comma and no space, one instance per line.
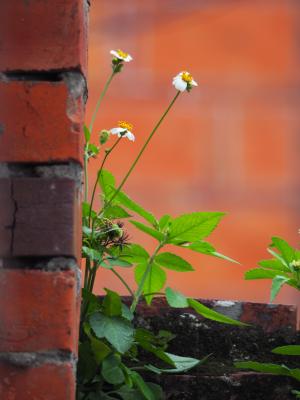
(194,83)
(128,58)
(130,136)
(114,53)
(180,84)
(115,131)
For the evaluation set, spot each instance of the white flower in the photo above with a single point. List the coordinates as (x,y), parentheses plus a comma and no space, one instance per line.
(184,81)
(121,55)
(123,130)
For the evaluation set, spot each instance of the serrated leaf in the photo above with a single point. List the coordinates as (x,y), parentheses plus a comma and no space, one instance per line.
(127,202)
(211,314)
(176,299)
(146,229)
(144,388)
(289,350)
(112,305)
(107,182)
(260,273)
(116,330)
(155,280)
(86,210)
(173,262)
(194,227)
(100,349)
(111,370)
(114,212)
(134,253)
(164,221)
(287,252)
(118,262)
(273,264)
(277,283)
(92,254)
(269,368)
(183,364)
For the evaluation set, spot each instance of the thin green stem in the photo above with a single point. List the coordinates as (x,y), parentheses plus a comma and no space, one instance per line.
(98,175)
(123,281)
(143,280)
(143,149)
(85,168)
(87,272)
(102,94)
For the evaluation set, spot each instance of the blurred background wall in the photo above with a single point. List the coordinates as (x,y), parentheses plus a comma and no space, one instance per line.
(231,145)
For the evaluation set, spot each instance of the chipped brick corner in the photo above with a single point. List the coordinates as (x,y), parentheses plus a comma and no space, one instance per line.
(43,64)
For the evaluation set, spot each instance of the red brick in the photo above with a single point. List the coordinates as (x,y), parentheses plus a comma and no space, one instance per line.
(43,35)
(41,122)
(42,217)
(37,310)
(44,382)
(6,216)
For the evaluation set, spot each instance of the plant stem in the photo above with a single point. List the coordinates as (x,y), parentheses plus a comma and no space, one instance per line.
(123,281)
(86,180)
(102,94)
(98,175)
(143,280)
(143,149)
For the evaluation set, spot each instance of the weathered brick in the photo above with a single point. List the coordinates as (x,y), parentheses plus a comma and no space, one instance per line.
(43,382)
(41,218)
(6,216)
(41,121)
(37,310)
(43,35)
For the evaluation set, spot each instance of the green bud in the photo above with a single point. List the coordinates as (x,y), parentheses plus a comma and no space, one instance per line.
(104,136)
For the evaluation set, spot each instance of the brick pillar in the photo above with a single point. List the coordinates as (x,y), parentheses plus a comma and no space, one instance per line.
(42,89)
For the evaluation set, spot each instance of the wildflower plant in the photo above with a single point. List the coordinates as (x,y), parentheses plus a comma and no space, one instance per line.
(110,341)
(283,269)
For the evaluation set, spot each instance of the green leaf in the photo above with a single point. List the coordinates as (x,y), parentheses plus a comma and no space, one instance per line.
(273,264)
(154,281)
(111,370)
(127,202)
(107,182)
(114,212)
(134,253)
(211,314)
(287,252)
(92,149)
(118,262)
(277,283)
(199,247)
(126,313)
(290,350)
(278,257)
(269,368)
(100,349)
(142,385)
(87,133)
(183,364)
(164,221)
(128,393)
(194,227)
(116,330)
(86,210)
(176,299)
(112,305)
(92,254)
(146,229)
(260,273)
(173,262)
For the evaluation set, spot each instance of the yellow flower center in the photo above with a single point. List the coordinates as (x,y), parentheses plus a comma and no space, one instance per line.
(122,54)
(186,77)
(125,125)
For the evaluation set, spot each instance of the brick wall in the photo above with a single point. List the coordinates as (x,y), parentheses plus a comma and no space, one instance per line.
(43,54)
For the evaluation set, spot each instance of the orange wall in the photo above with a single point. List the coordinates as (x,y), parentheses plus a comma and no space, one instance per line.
(231,145)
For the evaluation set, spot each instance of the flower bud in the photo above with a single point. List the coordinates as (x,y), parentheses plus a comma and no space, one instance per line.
(104,136)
